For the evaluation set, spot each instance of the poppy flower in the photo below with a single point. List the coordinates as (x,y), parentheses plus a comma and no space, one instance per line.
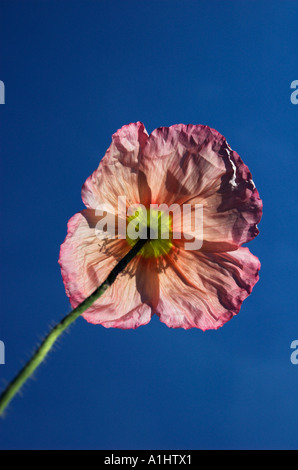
(202,288)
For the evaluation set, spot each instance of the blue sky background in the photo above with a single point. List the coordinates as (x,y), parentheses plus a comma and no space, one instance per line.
(76,71)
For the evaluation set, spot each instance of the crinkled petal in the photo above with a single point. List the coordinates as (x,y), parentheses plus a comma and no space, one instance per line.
(205,290)
(118,171)
(188,164)
(86,262)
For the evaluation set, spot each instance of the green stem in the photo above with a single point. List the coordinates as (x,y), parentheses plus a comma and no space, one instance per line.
(47,344)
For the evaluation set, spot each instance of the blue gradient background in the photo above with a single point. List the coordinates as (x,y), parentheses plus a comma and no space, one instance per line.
(76,71)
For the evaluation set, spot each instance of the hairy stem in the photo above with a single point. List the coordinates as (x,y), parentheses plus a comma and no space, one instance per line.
(47,344)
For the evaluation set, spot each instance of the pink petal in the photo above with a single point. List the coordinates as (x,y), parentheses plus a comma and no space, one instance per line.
(195,165)
(205,290)
(86,262)
(117,173)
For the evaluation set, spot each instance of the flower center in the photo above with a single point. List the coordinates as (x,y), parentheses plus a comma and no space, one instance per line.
(152,224)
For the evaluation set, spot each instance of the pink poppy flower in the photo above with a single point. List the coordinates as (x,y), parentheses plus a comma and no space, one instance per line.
(203,288)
